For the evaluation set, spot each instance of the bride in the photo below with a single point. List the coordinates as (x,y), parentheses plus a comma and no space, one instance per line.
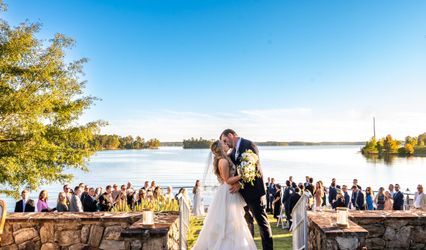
(224,226)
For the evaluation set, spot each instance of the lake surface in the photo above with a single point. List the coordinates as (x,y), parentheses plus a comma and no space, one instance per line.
(181,167)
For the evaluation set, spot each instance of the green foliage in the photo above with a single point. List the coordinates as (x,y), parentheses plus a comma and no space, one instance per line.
(110,142)
(155,205)
(41,100)
(391,145)
(388,146)
(197,143)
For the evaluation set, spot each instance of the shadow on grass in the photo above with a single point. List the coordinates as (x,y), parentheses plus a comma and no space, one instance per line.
(282,237)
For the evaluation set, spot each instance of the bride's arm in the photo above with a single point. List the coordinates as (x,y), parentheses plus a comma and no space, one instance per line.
(224,172)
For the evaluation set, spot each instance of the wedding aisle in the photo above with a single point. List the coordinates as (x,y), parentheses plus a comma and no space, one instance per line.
(282,237)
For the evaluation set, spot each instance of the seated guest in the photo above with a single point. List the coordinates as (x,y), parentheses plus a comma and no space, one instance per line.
(339,201)
(419,198)
(25,204)
(141,196)
(42,202)
(398,199)
(357,198)
(62,204)
(89,201)
(75,204)
(346,195)
(106,203)
(369,198)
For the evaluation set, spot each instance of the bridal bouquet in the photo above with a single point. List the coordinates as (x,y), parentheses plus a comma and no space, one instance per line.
(248,167)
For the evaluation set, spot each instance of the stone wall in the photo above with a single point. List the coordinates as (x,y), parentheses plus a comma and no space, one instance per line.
(88,231)
(393,229)
(369,230)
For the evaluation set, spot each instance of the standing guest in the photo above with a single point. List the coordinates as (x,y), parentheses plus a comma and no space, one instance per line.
(75,205)
(115,191)
(146,185)
(62,203)
(306,181)
(355,183)
(169,195)
(25,204)
(310,186)
(419,198)
(346,196)
(106,202)
(42,202)
(89,201)
(319,194)
(276,203)
(294,198)
(130,189)
(122,198)
(271,192)
(68,193)
(130,195)
(388,201)
(369,198)
(339,201)
(153,186)
(380,199)
(324,199)
(332,191)
(290,178)
(357,198)
(268,207)
(184,195)
(398,199)
(391,189)
(198,209)
(286,198)
(98,192)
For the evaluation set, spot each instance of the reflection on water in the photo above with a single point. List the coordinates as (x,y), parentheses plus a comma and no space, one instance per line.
(178,167)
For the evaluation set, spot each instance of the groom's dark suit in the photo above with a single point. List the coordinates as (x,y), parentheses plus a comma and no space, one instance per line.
(254,196)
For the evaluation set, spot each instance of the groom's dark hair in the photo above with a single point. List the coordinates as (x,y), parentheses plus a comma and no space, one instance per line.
(228,131)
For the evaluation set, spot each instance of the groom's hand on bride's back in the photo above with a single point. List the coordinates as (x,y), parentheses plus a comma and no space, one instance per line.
(235,187)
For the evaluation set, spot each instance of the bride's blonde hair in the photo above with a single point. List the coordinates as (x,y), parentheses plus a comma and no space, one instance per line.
(218,154)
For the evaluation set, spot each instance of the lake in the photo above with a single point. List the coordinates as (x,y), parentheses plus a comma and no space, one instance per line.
(181,167)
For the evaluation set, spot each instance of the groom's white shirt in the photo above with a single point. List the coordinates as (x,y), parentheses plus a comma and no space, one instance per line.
(237,148)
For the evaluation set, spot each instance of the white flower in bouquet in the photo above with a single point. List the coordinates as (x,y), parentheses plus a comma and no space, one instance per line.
(248,167)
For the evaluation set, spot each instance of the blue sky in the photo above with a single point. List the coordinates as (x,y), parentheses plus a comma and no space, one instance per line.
(273,70)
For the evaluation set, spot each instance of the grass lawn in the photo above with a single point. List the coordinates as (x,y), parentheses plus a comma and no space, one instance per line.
(282,237)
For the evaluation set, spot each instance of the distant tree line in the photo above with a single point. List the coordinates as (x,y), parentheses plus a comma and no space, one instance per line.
(197,143)
(390,146)
(111,142)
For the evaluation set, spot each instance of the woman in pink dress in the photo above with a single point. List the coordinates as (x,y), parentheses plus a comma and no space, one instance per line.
(42,202)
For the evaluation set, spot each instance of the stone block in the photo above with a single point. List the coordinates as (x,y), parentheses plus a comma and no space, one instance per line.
(112,233)
(6,239)
(95,237)
(79,246)
(347,243)
(24,234)
(67,238)
(374,230)
(114,244)
(10,247)
(47,233)
(85,232)
(49,246)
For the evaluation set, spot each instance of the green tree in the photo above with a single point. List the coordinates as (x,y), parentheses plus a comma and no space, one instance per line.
(153,144)
(41,100)
(391,146)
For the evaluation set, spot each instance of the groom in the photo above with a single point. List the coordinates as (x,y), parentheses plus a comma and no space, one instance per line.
(254,196)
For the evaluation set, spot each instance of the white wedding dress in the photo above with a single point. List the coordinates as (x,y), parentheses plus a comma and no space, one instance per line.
(224,226)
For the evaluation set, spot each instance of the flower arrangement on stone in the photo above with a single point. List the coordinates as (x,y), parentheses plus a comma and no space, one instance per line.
(248,168)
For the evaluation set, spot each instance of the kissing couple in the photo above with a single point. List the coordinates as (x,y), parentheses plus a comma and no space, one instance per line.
(237,203)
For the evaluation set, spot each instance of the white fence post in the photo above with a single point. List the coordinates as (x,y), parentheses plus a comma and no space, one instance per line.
(184,212)
(299,225)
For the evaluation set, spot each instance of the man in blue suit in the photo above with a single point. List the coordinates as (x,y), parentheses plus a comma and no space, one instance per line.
(346,195)
(398,199)
(357,198)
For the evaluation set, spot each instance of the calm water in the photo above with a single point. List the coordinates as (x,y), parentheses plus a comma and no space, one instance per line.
(179,167)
